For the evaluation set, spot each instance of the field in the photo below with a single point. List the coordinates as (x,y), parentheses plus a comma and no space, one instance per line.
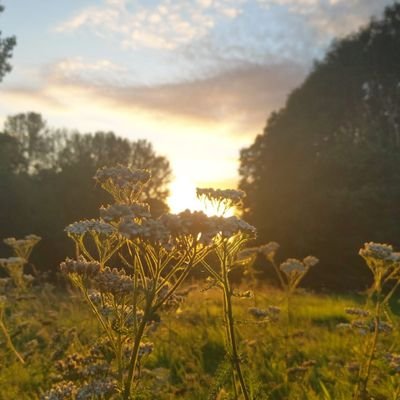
(309,359)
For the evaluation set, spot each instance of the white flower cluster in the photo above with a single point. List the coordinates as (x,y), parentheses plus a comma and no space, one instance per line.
(231,226)
(117,211)
(61,391)
(293,266)
(103,388)
(310,261)
(150,230)
(29,240)
(122,176)
(233,196)
(12,261)
(81,227)
(114,281)
(269,249)
(81,267)
(171,227)
(379,251)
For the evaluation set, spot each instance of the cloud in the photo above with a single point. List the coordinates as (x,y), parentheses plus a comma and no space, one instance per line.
(331,18)
(240,98)
(165,25)
(243,96)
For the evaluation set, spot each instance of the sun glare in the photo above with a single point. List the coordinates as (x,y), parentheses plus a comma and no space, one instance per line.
(183,196)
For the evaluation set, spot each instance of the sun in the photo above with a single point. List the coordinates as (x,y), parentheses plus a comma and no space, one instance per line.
(183,197)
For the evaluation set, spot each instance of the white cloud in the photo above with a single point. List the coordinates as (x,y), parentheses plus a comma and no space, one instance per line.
(331,18)
(166,25)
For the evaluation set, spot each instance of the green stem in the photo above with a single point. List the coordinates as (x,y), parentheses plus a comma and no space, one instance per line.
(135,351)
(230,328)
(9,341)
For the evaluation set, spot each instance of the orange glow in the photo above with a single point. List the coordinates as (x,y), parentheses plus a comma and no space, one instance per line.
(183,196)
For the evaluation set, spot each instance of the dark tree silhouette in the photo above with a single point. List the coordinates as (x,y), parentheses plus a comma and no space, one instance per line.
(324,176)
(6,47)
(46,180)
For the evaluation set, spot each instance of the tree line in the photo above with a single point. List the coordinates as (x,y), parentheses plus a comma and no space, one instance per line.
(46,180)
(324,176)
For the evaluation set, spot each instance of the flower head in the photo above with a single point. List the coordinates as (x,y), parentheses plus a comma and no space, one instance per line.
(93,226)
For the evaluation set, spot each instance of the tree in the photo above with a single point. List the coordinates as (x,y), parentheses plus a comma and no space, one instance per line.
(35,140)
(324,176)
(46,180)
(6,46)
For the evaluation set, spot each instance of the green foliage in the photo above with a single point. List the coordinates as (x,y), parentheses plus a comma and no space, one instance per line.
(46,180)
(6,47)
(65,326)
(324,176)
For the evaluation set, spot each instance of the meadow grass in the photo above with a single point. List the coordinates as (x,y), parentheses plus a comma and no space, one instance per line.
(189,353)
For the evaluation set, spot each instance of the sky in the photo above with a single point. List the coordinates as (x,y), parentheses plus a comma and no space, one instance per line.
(197,78)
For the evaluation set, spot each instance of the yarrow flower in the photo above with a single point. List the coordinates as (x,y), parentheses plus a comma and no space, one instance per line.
(114,281)
(12,261)
(117,211)
(269,249)
(22,247)
(123,183)
(61,391)
(310,261)
(231,226)
(81,266)
(378,251)
(151,231)
(81,227)
(234,196)
(292,266)
(122,176)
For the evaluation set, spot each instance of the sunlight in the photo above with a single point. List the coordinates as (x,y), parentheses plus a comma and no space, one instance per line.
(183,196)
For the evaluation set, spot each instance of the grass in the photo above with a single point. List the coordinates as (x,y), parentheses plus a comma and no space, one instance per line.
(188,360)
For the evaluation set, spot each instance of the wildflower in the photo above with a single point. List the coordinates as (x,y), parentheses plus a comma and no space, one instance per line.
(114,281)
(378,251)
(293,266)
(150,231)
(81,266)
(12,261)
(98,389)
(61,391)
(227,197)
(310,261)
(117,211)
(231,226)
(122,176)
(22,247)
(95,297)
(123,183)
(93,226)
(269,249)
